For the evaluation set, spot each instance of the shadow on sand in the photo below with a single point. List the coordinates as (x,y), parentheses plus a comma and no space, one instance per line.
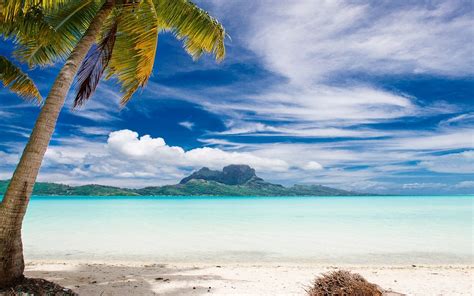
(99,279)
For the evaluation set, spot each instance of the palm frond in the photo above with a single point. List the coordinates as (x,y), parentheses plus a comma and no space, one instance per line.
(93,67)
(200,31)
(12,8)
(135,47)
(65,29)
(17,81)
(26,25)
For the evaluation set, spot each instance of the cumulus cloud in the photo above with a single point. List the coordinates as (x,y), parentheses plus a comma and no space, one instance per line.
(126,144)
(128,159)
(313,166)
(128,156)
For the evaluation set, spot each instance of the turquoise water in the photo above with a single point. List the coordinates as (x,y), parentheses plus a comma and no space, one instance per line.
(352,230)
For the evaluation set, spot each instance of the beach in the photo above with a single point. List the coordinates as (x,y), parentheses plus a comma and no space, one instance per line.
(249,245)
(128,278)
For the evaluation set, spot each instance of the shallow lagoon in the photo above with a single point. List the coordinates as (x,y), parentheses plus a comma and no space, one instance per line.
(350,230)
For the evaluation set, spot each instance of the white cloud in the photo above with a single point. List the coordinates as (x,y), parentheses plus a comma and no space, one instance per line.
(187,124)
(296,130)
(465,185)
(440,140)
(308,40)
(92,130)
(313,166)
(424,186)
(460,163)
(126,144)
(460,120)
(323,103)
(8,158)
(128,157)
(314,43)
(103,106)
(6,114)
(14,129)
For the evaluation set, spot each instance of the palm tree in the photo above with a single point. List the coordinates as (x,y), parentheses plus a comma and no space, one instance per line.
(125,35)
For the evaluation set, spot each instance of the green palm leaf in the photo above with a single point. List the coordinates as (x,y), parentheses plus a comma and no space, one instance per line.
(200,31)
(64,29)
(26,25)
(48,30)
(10,9)
(135,47)
(17,81)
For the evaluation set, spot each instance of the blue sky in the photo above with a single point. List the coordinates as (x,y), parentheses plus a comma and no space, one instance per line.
(373,96)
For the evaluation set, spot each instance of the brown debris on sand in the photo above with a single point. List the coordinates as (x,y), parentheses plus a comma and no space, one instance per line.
(343,283)
(37,287)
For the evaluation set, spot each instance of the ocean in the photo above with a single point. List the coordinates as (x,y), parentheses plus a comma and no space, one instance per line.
(328,230)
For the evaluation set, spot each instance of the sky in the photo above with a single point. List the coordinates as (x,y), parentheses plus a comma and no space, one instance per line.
(372,96)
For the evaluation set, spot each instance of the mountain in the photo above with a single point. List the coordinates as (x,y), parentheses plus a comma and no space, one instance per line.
(233,174)
(233,180)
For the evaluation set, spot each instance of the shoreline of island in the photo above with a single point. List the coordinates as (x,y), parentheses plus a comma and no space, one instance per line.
(233,180)
(257,278)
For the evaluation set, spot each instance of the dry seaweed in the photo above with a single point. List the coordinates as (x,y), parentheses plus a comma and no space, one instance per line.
(342,283)
(37,287)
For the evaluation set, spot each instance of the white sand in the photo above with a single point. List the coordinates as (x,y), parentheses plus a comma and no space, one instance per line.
(241,279)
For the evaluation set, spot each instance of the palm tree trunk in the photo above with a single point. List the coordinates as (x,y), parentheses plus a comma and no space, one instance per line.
(17,196)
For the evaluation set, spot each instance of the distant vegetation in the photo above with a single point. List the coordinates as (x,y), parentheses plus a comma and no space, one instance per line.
(233,180)
(61,189)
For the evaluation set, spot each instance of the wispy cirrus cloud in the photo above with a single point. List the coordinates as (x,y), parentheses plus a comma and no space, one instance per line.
(456,163)
(325,52)
(187,124)
(309,41)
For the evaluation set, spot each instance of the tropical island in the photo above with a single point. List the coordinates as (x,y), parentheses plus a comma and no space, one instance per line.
(233,180)
(367,94)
